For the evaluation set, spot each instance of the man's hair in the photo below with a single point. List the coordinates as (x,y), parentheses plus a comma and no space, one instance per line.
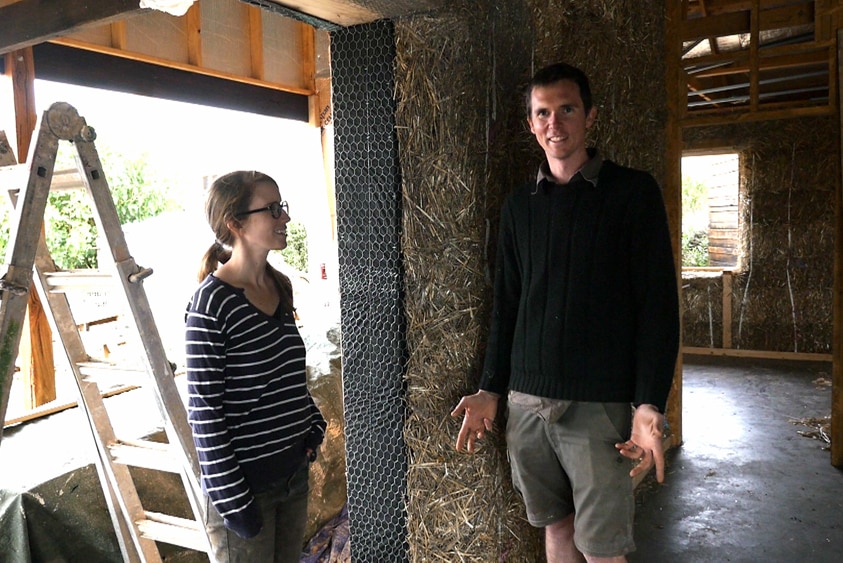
(554,73)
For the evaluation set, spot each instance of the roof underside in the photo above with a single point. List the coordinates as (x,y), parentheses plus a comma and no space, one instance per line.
(758,55)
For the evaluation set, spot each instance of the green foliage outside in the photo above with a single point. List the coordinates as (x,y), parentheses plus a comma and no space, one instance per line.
(295,254)
(694,223)
(69,223)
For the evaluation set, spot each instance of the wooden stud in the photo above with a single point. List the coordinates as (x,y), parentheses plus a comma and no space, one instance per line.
(676,104)
(118,35)
(194,35)
(837,306)
(35,353)
(754,40)
(308,70)
(727,308)
(256,43)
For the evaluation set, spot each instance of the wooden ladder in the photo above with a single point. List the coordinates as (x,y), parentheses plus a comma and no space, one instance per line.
(137,529)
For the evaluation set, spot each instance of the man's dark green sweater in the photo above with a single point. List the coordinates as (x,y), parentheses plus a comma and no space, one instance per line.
(585,304)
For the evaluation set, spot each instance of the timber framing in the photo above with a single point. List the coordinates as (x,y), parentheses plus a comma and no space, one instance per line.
(28,22)
(753,60)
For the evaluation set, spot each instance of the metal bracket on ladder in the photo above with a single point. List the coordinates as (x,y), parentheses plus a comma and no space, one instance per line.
(137,529)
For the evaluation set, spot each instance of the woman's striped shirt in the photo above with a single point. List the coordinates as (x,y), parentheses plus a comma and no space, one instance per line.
(248,404)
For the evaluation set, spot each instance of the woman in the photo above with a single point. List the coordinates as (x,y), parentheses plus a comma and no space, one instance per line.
(255,425)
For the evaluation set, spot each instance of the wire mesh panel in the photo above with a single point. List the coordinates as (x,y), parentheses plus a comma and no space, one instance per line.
(368,203)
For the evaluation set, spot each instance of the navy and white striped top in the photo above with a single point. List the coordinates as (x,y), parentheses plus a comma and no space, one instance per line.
(248,404)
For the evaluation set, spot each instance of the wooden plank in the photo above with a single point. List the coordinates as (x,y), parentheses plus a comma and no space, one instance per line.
(29,22)
(48,409)
(703,118)
(837,301)
(341,12)
(97,70)
(727,309)
(672,184)
(761,354)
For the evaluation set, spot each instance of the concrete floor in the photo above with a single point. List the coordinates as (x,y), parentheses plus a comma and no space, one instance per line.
(745,486)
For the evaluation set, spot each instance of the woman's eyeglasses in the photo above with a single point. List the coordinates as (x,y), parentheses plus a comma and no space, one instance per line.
(275,208)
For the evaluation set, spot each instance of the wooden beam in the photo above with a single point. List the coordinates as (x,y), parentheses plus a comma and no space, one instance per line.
(717,7)
(341,12)
(29,22)
(702,118)
(676,106)
(20,68)
(167,66)
(740,64)
(754,39)
(727,309)
(35,351)
(761,354)
(837,299)
(308,70)
(734,23)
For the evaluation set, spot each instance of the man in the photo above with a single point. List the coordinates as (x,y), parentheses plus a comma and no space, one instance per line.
(585,323)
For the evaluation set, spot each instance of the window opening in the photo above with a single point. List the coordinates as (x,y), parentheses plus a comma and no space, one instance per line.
(162,155)
(710,219)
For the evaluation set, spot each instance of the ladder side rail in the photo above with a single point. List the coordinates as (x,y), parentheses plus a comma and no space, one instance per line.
(7,158)
(16,282)
(147,336)
(118,487)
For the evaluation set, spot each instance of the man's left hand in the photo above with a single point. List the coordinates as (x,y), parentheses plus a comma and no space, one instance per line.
(645,443)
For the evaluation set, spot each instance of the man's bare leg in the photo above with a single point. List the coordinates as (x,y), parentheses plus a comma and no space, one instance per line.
(560,548)
(559,542)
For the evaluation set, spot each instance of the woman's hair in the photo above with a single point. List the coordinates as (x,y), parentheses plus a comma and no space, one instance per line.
(228,197)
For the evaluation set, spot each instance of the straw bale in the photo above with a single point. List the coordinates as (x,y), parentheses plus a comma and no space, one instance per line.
(464,144)
(781,299)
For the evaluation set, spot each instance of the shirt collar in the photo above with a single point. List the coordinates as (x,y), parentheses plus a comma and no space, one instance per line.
(589,172)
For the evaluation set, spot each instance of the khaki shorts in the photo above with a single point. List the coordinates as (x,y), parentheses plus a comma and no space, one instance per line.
(564,461)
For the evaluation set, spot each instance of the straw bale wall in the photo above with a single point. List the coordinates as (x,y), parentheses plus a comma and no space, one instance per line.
(464,145)
(782,292)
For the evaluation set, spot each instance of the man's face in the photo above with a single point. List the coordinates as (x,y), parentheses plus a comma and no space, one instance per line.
(559,121)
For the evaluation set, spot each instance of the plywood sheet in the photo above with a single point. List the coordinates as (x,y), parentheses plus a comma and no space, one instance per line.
(282,51)
(158,35)
(96,35)
(225,37)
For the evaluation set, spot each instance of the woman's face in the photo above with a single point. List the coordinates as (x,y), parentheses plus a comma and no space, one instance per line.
(259,228)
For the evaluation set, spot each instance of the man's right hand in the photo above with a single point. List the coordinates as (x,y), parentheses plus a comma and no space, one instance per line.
(480,410)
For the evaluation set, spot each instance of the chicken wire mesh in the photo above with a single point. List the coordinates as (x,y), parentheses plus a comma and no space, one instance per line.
(368,203)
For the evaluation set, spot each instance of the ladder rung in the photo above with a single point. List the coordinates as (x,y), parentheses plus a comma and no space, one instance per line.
(144,453)
(173,530)
(63,281)
(111,374)
(14,176)
(95,369)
